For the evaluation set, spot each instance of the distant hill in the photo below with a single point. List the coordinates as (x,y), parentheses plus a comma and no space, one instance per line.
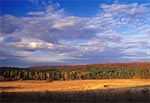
(132,64)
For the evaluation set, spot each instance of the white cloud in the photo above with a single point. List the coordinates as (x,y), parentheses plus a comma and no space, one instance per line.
(36,13)
(96,38)
(66,22)
(31,44)
(42,60)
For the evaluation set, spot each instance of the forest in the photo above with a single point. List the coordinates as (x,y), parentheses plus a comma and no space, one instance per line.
(136,70)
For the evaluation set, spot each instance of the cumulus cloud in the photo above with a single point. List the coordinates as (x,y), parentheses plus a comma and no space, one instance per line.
(31,45)
(118,33)
(9,24)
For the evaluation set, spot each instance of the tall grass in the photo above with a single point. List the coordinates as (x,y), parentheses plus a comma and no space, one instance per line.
(139,94)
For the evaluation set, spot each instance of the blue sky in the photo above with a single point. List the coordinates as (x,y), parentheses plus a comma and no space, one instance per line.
(64,32)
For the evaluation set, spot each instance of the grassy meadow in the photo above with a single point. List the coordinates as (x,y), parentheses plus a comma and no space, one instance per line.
(106,90)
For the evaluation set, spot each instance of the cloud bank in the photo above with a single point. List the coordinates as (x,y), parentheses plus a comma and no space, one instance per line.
(117,33)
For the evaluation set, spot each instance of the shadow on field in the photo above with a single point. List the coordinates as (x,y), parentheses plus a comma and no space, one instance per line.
(140,94)
(6,88)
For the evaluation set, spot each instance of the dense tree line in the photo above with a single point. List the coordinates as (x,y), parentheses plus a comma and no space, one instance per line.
(133,64)
(90,72)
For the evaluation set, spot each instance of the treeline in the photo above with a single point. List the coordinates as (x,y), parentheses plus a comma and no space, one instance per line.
(90,72)
(133,64)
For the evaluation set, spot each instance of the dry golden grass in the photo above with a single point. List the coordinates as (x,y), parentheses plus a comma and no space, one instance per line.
(77,91)
(74,85)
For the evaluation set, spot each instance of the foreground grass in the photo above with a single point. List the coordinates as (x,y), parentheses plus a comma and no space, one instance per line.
(122,90)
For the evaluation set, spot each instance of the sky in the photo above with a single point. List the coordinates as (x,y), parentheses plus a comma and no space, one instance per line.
(71,32)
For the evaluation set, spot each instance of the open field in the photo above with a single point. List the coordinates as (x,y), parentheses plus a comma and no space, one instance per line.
(75,85)
(118,90)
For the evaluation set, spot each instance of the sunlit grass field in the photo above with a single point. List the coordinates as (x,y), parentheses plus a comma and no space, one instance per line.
(74,85)
(124,90)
